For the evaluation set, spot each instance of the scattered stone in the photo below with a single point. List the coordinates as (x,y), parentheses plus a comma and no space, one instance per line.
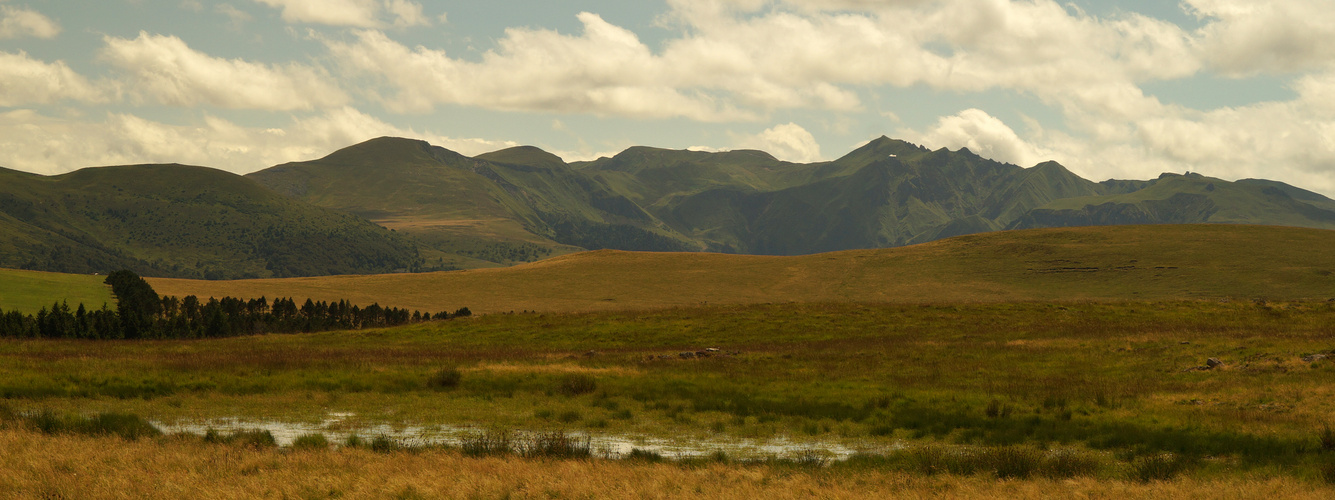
(702,354)
(1213,363)
(1184,343)
(686,355)
(1312,358)
(590,354)
(711,349)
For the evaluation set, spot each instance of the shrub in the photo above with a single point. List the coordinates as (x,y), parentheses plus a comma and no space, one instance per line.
(1327,438)
(445,379)
(576,384)
(311,442)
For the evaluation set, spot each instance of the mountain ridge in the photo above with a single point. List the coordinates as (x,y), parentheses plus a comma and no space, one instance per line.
(445,210)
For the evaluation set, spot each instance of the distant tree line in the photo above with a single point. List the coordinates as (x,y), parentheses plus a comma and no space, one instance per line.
(141,314)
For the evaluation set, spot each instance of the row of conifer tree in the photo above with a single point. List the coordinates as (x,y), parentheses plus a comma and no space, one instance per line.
(141,314)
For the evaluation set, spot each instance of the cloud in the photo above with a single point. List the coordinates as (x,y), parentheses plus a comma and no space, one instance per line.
(788,142)
(983,134)
(164,69)
(34,142)
(353,13)
(237,16)
(605,71)
(20,22)
(741,60)
(1244,37)
(26,81)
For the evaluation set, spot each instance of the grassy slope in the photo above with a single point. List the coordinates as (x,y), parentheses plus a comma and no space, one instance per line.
(1094,263)
(177,220)
(1243,202)
(28,291)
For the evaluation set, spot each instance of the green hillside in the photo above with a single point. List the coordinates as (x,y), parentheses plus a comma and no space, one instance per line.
(28,291)
(1191,198)
(181,221)
(523,203)
(509,206)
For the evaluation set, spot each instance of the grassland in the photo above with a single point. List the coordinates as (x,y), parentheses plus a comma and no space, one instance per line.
(28,291)
(81,467)
(1112,381)
(936,362)
(1092,263)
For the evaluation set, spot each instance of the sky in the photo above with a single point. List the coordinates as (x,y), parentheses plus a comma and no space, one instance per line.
(1122,89)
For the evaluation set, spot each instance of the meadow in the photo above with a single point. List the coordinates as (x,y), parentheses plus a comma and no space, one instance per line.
(1053,363)
(1039,392)
(29,291)
(1089,263)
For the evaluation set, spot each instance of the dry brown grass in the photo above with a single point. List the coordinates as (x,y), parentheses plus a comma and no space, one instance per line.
(40,466)
(1113,263)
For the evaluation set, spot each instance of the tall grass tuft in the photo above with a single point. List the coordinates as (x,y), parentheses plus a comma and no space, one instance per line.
(383,444)
(1013,462)
(1159,467)
(257,439)
(1328,471)
(315,441)
(576,384)
(555,444)
(1327,438)
(1063,464)
(445,379)
(493,442)
(353,441)
(643,455)
(126,426)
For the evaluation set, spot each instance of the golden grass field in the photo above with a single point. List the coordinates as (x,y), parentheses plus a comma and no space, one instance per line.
(46,467)
(1092,263)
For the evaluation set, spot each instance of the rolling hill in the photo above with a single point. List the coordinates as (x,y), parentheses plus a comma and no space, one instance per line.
(499,208)
(521,204)
(183,221)
(1152,262)
(447,211)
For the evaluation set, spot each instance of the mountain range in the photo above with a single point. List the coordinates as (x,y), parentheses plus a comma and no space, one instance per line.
(393,204)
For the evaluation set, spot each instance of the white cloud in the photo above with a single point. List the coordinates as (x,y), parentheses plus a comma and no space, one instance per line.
(606,71)
(983,134)
(353,13)
(166,70)
(406,14)
(1245,37)
(34,142)
(19,22)
(788,142)
(26,81)
(740,60)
